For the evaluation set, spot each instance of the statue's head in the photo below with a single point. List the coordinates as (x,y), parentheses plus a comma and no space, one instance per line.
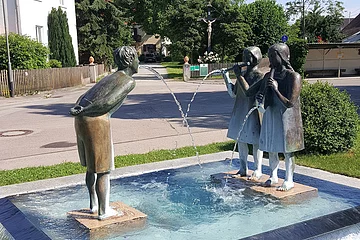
(252,55)
(126,57)
(279,54)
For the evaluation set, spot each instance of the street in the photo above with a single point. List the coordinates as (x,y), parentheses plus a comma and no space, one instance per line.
(37,130)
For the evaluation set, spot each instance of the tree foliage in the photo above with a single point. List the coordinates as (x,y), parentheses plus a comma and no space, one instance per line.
(323,19)
(25,53)
(268,22)
(60,42)
(231,31)
(187,28)
(298,52)
(102,27)
(153,15)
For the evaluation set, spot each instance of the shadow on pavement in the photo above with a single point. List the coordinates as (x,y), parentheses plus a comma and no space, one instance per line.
(209,109)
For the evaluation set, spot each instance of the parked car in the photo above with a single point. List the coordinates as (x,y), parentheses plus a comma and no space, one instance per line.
(150,57)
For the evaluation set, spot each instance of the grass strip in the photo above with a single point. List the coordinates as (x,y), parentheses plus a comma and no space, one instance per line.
(8,177)
(347,163)
(174,70)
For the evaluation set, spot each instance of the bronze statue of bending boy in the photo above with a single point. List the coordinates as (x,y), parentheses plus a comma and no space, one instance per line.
(92,113)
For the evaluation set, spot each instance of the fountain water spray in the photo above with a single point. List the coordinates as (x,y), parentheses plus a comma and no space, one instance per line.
(179,107)
(214,72)
(238,136)
(197,89)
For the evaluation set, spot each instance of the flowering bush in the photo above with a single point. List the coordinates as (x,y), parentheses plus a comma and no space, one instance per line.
(210,57)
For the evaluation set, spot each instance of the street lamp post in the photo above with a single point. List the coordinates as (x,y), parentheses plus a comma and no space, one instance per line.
(10,75)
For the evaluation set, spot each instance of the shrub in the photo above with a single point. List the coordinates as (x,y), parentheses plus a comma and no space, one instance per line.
(167,59)
(25,53)
(298,52)
(329,117)
(210,57)
(53,63)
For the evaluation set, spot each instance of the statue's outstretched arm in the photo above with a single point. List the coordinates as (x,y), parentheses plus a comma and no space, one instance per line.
(229,85)
(105,97)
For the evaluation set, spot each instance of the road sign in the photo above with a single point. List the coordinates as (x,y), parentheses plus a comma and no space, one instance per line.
(204,69)
(284,38)
(195,68)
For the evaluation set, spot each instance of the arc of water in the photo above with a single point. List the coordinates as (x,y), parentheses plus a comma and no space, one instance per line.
(179,107)
(237,141)
(197,89)
(241,129)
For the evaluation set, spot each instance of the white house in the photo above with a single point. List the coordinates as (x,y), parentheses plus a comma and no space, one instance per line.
(29,17)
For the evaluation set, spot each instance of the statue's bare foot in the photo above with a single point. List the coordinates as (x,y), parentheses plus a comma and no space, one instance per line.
(110,213)
(256,175)
(242,173)
(270,182)
(286,186)
(94,209)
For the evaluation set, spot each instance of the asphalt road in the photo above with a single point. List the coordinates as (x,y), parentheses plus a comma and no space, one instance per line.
(37,130)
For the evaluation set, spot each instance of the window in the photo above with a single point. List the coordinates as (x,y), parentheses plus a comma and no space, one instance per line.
(39,33)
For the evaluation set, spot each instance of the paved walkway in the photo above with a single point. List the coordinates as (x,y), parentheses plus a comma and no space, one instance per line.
(148,120)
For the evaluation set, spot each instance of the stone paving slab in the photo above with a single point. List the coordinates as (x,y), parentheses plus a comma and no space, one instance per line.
(130,218)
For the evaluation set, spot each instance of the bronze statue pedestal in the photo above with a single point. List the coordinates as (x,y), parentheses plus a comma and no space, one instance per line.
(130,220)
(300,192)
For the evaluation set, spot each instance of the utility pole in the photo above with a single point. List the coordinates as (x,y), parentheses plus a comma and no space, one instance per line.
(10,74)
(303,15)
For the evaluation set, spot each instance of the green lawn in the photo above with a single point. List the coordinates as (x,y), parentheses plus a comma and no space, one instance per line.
(347,163)
(174,69)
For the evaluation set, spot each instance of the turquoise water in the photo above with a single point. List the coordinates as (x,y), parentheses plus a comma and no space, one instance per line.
(185,204)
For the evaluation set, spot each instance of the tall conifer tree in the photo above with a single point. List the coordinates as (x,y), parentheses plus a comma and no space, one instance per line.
(60,42)
(102,27)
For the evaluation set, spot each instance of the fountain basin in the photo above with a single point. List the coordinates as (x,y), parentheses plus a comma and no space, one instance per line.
(183,203)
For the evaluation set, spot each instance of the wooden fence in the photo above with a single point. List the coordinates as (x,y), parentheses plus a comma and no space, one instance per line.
(30,81)
(263,65)
(211,67)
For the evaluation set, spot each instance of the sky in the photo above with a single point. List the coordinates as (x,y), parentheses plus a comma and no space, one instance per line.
(352,7)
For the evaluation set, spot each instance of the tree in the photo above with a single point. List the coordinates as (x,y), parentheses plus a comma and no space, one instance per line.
(268,22)
(102,27)
(298,52)
(60,42)
(184,27)
(151,14)
(25,53)
(319,18)
(231,32)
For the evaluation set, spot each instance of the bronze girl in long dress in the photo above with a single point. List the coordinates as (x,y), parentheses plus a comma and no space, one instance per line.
(244,91)
(282,129)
